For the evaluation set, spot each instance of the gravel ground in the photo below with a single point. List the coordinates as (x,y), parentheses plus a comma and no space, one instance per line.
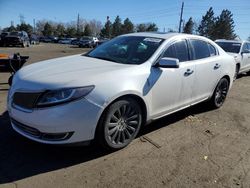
(196,147)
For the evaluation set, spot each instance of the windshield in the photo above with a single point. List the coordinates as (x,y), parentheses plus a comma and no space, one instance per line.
(127,49)
(233,47)
(16,33)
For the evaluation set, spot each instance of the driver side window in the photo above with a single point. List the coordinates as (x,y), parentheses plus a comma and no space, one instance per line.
(178,50)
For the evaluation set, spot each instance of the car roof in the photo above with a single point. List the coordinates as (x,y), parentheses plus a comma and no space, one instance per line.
(232,41)
(163,35)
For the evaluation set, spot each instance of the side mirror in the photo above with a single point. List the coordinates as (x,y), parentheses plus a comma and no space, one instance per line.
(167,62)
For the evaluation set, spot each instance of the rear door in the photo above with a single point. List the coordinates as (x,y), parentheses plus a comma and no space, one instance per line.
(208,68)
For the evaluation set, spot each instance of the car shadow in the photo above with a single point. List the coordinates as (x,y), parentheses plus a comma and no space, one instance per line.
(21,158)
(243,75)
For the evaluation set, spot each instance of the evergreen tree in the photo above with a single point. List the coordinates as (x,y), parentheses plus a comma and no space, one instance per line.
(25,27)
(87,30)
(117,27)
(9,29)
(107,29)
(189,26)
(127,26)
(60,30)
(152,27)
(146,27)
(141,27)
(206,27)
(47,30)
(71,31)
(224,26)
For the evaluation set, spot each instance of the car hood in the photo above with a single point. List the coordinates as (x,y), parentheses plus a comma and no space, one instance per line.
(71,71)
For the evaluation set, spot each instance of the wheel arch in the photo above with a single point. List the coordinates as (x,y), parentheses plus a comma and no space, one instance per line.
(136,97)
(228,79)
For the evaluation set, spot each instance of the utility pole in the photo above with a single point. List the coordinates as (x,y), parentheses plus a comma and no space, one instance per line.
(34,25)
(21,19)
(78,25)
(182,6)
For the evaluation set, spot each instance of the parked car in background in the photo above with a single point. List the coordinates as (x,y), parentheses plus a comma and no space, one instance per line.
(66,40)
(2,36)
(240,50)
(75,42)
(17,38)
(34,39)
(110,92)
(88,42)
(102,40)
(49,39)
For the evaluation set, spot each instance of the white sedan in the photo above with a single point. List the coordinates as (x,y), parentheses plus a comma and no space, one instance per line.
(110,92)
(240,50)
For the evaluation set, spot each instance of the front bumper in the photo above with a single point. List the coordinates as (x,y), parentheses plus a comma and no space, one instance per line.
(63,124)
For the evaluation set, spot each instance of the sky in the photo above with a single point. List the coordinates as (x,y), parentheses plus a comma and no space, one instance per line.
(165,13)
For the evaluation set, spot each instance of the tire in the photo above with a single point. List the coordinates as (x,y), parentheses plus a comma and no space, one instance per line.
(10,80)
(119,124)
(28,44)
(237,70)
(220,93)
(23,44)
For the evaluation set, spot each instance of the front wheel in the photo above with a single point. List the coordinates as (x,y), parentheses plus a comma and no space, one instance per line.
(120,124)
(220,93)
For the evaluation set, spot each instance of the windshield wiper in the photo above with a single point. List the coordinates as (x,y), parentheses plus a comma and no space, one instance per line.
(105,58)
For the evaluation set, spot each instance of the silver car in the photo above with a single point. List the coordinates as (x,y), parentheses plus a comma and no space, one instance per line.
(110,92)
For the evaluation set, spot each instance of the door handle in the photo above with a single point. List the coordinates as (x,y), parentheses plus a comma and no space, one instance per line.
(188,72)
(216,66)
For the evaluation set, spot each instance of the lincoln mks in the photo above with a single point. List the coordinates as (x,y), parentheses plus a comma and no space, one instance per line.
(109,93)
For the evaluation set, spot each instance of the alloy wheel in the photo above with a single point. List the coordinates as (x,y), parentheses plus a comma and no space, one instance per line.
(123,124)
(221,92)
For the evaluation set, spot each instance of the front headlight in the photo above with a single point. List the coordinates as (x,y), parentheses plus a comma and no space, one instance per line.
(55,97)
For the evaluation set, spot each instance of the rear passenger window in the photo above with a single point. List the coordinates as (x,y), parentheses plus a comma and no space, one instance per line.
(178,50)
(200,49)
(212,50)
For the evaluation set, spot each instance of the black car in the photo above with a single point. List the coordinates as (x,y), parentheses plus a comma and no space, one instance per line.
(17,38)
(2,36)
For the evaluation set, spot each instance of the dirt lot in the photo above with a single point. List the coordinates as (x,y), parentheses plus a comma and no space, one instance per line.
(196,147)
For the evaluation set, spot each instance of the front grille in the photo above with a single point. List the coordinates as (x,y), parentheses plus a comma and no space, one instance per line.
(43,136)
(25,100)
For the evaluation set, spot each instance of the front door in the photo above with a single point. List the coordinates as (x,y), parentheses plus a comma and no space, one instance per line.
(174,86)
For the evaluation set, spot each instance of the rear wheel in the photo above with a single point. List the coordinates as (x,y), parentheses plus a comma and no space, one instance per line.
(220,93)
(120,124)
